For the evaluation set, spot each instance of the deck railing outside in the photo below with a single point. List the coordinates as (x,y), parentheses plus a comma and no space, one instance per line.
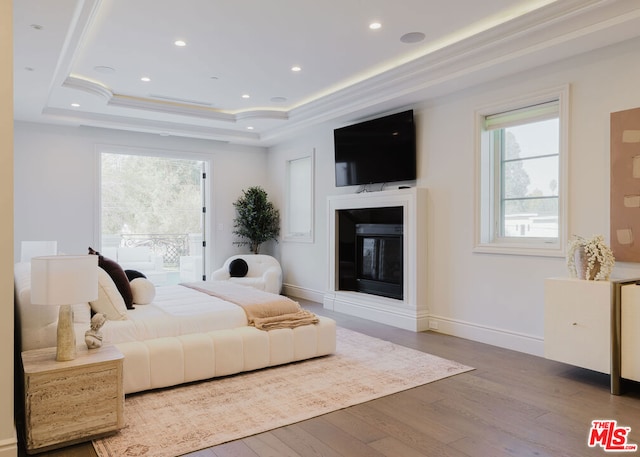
(171,246)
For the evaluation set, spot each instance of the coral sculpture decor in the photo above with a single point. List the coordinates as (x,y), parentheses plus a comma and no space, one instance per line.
(590,258)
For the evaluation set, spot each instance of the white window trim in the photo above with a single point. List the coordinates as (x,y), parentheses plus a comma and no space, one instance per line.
(307,237)
(485,240)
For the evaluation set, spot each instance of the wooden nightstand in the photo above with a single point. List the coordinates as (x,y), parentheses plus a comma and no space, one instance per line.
(74,401)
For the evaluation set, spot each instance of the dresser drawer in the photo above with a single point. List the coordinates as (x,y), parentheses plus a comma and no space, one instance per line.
(630,331)
(577,322)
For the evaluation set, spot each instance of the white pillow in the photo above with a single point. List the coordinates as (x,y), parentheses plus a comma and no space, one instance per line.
(143,291)
(81,313)
(31,316)
(109,302)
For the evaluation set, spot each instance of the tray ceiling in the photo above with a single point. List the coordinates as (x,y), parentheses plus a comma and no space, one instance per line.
(115,64)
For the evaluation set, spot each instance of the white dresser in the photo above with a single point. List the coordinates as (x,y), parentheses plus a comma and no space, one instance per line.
(594,325)
(630,331)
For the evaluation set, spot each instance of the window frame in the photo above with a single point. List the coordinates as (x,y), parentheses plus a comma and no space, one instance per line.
(487,236)
(290,235)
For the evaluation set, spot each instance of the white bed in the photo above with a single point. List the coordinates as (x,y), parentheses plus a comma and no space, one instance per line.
(175,311)
(183,335)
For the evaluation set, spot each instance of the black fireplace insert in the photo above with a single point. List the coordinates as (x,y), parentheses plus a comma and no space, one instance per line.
(379,262)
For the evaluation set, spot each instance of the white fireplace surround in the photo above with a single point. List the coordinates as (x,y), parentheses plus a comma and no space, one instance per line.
(410,313)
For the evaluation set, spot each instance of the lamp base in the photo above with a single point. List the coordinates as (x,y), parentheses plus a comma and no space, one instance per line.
(66,349)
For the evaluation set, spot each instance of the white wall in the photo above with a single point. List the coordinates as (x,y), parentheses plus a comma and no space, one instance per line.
(304,264)
(56,181)
(487,297)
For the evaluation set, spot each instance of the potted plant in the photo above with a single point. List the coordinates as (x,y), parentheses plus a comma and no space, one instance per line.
(590,258)
(257,220)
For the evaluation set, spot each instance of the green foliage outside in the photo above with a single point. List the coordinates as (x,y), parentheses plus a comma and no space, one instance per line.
(257,220)
(517,183)
(516,178)
(151,195)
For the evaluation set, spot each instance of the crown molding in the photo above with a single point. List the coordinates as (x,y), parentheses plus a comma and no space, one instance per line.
(169,107)
(86,85)
(557,31)
(154,126)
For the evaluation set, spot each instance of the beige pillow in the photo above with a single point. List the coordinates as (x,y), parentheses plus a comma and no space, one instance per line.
(143,291)
(110,301)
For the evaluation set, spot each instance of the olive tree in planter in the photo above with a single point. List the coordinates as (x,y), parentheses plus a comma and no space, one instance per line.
(257,220)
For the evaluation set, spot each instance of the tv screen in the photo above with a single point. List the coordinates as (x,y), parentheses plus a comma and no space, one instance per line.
(377,151)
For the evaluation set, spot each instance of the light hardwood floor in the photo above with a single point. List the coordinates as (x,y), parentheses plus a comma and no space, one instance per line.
(512,404)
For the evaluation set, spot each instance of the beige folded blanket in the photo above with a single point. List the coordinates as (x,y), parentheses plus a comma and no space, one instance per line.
(264,310)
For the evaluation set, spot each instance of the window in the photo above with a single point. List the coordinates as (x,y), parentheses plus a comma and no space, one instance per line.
(522,176)
(299,209)
(152,210)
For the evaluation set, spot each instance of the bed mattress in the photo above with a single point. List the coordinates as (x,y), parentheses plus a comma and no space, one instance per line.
(176,310)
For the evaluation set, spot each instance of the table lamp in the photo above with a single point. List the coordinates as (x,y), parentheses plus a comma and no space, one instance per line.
(64,280)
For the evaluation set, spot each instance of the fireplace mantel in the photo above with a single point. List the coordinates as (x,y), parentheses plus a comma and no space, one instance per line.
(411,312)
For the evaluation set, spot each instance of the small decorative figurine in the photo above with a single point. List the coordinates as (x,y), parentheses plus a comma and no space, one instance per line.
(93,336)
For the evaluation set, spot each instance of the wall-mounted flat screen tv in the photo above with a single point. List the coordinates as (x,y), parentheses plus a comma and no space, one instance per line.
(381,150)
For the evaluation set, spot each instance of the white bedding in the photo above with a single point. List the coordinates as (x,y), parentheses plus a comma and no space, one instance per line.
(156,354)
(176,310)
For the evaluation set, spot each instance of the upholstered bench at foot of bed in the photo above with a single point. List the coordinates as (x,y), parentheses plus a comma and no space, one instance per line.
(169,361)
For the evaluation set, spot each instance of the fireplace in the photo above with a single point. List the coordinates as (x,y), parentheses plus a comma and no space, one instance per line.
(379,259)
(370,251)
(377,256)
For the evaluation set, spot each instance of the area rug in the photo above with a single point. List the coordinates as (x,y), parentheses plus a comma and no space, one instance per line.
(175,421)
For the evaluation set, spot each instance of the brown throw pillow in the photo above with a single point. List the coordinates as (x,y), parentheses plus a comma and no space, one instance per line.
(118,275)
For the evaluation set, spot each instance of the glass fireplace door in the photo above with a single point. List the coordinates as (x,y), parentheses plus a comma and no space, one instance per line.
(379,259)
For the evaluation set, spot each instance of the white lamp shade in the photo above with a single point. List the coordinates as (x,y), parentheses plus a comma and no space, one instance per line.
(64,279)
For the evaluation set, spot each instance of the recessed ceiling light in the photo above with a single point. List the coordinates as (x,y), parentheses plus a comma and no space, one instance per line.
(375,25)
(278,99)
(296,68)
(250,128)
(76,105)
(180,43)
(246,96)
(29,68)
(412,37)
(145,79)
(36,26)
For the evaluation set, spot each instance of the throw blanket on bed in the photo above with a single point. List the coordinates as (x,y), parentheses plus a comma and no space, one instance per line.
(265,311)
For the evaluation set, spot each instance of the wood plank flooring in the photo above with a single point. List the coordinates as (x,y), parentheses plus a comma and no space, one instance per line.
(512,404)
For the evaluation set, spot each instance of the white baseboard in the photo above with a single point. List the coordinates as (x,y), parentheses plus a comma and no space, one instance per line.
(507,339)
(376,309)
(9,447)
(302,292)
